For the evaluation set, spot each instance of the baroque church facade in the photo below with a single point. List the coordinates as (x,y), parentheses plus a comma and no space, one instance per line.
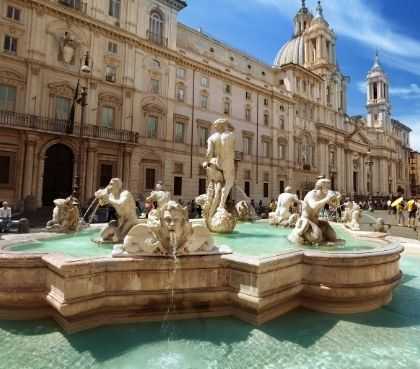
(153,86)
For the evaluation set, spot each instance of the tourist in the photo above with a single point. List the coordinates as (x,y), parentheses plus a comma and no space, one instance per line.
(388,204)
(253,204)
(5,217)
(400,207)
(412,212)
(273,205)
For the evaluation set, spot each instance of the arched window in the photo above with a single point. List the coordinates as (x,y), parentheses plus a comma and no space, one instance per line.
(156,27)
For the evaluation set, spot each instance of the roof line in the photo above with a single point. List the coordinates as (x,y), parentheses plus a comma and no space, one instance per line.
(225,45)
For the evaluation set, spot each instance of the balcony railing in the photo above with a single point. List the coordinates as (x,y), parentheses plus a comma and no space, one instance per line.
(59,126)
(157,38)
(74,4)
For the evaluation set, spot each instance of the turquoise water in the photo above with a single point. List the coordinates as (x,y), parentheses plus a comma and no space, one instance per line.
(259,239)
(388,338)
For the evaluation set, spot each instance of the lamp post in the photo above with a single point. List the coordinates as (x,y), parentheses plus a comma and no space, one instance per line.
(85,68)
(369,162)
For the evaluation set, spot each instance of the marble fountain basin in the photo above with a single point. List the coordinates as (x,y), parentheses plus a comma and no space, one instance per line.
(263,278)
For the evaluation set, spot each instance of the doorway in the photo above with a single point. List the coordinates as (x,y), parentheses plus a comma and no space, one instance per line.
(58,174)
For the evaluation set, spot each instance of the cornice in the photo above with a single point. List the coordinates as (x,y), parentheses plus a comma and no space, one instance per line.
(134,40)
(175,4)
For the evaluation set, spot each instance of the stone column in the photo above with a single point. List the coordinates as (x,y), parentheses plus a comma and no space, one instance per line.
(29,166)
(91,170)
(126,165)
(40,181)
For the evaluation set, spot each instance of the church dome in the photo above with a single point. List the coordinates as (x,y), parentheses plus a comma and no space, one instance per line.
(292,52)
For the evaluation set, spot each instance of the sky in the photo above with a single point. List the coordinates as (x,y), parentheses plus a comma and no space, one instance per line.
(261,27)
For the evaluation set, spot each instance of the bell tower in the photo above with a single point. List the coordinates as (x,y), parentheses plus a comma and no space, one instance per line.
(378,104)
(302,20)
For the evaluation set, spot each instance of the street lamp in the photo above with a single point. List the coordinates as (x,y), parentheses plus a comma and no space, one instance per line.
(86,69)
(369,162)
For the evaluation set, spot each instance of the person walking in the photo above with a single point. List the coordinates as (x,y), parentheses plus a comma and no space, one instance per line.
(400,207)
(5,217)
(412,212)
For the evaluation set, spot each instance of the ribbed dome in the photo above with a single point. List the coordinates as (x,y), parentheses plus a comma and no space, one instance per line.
(292,52)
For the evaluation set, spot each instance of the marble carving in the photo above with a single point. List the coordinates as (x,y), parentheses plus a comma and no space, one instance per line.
(309,228)
(65,218)
(220,169)
(282,215)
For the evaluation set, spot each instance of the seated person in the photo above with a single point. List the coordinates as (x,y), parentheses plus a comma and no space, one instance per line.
(5,217)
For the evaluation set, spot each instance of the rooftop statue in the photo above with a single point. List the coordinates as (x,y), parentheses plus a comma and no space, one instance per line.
(65,217)
(123,203)
(309,228)
(282,215)
(220,167)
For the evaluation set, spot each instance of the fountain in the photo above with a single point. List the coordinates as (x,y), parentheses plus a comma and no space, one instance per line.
(171,268)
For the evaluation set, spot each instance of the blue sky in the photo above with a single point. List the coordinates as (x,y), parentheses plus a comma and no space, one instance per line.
(261,27)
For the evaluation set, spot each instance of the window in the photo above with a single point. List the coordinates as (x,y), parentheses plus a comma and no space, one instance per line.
(228,89)
(179,132)
(180,92)
(111,73)
(281,123)
(7,97)
(281,187)
(204,100)
(226,107)
(114,8)
(13,13)
(152,126)
(177,186)
(265,189)
(112,47)
(5,167)
(202,186)
(282,151)
(62,107)
(150,181)
(71,3)
(203,133)
(107,117)
(247,174)
(265,101)
(180,73)
(266,119)
(156,27)
(248,95)
(156,63)
(204,82)
(10,44)
(266,149)
(105,174)
(178,168)
(247,188)
(282,108)
(155,86)
(247,143)
(248,114)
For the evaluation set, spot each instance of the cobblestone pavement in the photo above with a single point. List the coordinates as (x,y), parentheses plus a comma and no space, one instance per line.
(395,230)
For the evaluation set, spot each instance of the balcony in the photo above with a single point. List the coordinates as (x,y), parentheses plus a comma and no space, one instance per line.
(157,38)
(74,4)
(9,119)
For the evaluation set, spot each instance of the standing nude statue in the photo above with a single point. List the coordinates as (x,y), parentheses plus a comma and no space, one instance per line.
(220,167)
(125,206)
(221,148)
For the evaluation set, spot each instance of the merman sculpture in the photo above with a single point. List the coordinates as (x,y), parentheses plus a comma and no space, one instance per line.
(220,169)
(309,228)
(282,215)
(65,217)
(123,203)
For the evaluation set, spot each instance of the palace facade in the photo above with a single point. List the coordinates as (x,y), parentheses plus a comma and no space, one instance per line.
(154,86)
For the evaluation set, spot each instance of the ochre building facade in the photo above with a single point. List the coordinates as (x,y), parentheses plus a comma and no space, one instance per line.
(154,87)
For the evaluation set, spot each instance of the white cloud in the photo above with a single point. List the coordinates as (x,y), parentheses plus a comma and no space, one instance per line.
(359,21)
